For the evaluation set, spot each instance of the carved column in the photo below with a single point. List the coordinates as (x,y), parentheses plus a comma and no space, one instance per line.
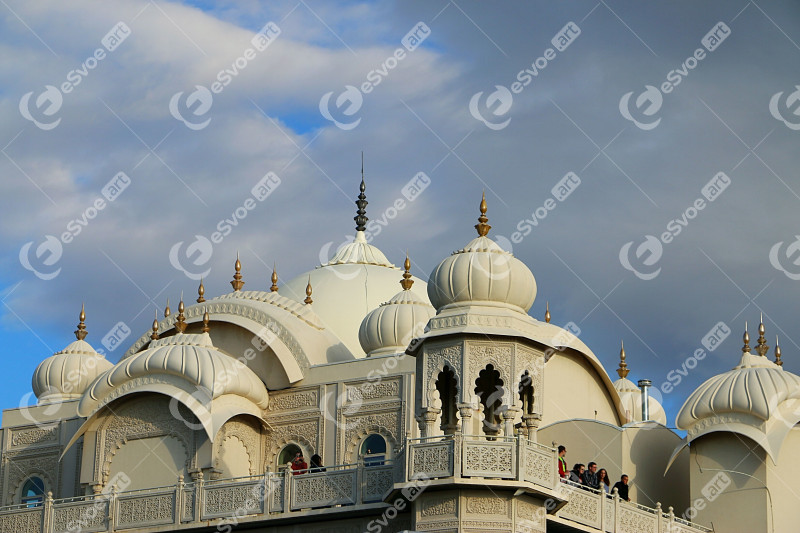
(429,415)
(530,423)
(508,420)
(465,414)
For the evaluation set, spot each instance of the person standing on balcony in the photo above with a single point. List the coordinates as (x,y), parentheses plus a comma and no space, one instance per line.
(563,471)
(602,478)
(590,478)
(299,465)
(576,475)
(621,487)
(316,464)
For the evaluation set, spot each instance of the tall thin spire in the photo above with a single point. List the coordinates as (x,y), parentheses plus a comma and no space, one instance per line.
(547,312)
(361,214)
(482,226)
(237,282)
(778,352)
(308,299)
(622,371)
(274,287)
(201,291)
(762,347)
(81,332)
(746,339)
(407,282)
(167,310)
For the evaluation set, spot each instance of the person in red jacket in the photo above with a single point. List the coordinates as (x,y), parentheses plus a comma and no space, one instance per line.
(563,470)
(299,465)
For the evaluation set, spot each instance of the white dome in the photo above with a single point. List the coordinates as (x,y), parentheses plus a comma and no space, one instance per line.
(68,373)
(389,328)
(757,386)
(630,397)
(343,293)
(482,272)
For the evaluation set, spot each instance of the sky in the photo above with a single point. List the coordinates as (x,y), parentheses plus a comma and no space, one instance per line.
(640,158)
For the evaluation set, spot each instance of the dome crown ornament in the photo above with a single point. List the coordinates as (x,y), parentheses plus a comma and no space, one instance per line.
(237,282)
(154,335)
(778,353)
(308,300)
(201,291)
(547,312)
(274,279)
(622,371)
(361,214)
(206,320)
(746,339)
(482,226)
(81,332)
(180,323)
(407,282)
(762,347)
(167,310)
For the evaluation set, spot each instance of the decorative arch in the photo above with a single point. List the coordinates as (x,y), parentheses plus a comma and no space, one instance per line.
(248,430)
(489,386)
(19,485)
(276,446)
(353,449)
(447,386)
(527,393)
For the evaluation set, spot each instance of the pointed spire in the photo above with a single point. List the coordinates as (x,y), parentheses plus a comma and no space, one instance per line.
(201,291)
(778,352)
(274,287)
(361,214)
(407,282)
(482,226)
(237,282)
(180,323)
(622,371)
(547,312)
(308,299)
(206,320)
(746,339)
(167,310)
(81,332)
(762,347)
(154,335)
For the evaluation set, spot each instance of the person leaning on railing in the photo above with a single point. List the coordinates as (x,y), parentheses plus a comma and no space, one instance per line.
(299,465)
(576,474)
(563,470)
(590,478)
(621,487)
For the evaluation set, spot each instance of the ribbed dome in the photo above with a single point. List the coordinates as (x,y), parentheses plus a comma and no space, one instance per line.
(630,397)
(68,373)
(359,252)
(189,356)
(389,328)
(757,386)
(482,272)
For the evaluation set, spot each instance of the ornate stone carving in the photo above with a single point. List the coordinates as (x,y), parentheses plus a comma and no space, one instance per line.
(633,521)
(285,401)
(250,436)
(188,505)
(305,432)
(539,467)
(239,499)
(436,358)
(484,505)
(371,390)
(534,515)
(84,516)
(28,437)
(437,506)
(583,507)
(388,424)
(490,459)
(146,509)
(22,521)
(481,354)
(433,460)
(377,481)
(329,489)
(44,463)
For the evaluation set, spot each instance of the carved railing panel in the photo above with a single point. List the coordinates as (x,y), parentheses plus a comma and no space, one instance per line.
(378,480)
(275,492)
(434,459)
(187,513)
(489,459)
(141,510)
(237,498)
(22,521)
(584,506)
(609,516)
(324,489)
(81,516)
(540,466)
(635,520)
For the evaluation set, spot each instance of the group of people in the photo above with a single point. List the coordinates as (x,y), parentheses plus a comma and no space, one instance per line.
(299,465)
(590,476)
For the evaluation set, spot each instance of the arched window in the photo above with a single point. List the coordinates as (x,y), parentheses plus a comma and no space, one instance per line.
(33,492)
(489,387)
(448,390)
(526,393)
(287,455)
(373,450)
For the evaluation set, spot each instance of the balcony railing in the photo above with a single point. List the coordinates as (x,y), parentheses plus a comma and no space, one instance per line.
(273,495)
(516,458)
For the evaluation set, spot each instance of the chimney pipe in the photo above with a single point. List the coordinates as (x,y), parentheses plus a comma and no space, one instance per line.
(644,384)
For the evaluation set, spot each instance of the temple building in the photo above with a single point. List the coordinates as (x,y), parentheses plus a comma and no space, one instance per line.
(357,398)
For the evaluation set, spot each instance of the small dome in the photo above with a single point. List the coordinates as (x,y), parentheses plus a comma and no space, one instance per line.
(756,386)
(630,397)
(389,328)
(482,273)
(67,374)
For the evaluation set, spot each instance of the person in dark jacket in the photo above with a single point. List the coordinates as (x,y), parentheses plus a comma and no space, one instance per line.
(621,487)
(316,464)
(576,475)
(590,476)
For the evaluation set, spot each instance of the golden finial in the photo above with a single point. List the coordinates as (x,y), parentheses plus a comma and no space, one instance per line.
(407,282)
(746,339)
(778,352)
(547,312)
(237,282)
(201,290)
(482,226)
(274,278)
(206,320)
(154,335)
(762,347)
(308,299)
(180,324)
(622,371)
(167,310)
(81,332)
